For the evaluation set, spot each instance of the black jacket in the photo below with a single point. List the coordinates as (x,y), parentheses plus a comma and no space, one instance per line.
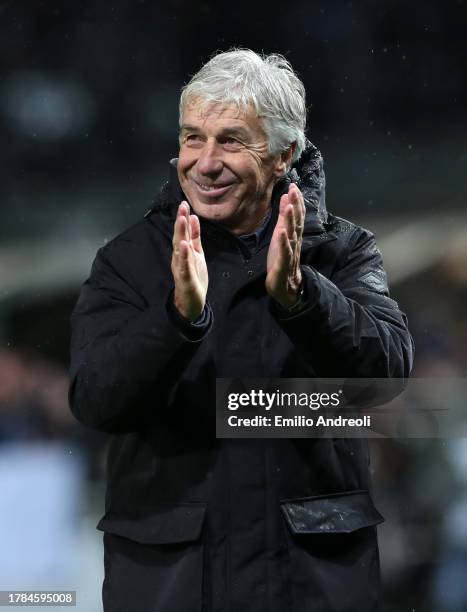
(197,524)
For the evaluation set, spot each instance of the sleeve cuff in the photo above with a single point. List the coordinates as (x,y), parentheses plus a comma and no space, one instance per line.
(307,299)
(193,331)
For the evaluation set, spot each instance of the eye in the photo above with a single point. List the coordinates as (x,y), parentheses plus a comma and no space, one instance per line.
(193,140)
(231,143)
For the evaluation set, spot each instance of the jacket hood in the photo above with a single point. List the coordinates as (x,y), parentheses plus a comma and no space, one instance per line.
(307,173)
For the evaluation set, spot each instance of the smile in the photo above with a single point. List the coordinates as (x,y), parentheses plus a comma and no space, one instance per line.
(212,190)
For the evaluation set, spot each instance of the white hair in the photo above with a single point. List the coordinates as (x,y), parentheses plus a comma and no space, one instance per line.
(266,82)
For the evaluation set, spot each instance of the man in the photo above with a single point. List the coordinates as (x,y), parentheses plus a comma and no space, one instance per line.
(236,271)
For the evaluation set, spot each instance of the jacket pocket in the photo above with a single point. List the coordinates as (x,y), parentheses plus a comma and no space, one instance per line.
(333,552)
(337,513)
(168,524)
(154,561)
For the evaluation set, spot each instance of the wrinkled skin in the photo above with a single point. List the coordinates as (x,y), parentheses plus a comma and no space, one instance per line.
(221,147)
(228,174)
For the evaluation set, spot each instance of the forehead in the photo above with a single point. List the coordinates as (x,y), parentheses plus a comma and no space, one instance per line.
(207,115)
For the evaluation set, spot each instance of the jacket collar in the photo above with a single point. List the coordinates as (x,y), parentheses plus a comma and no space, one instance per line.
(307,173)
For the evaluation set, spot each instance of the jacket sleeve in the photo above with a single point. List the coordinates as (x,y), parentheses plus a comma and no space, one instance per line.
(359,329)
(125,353)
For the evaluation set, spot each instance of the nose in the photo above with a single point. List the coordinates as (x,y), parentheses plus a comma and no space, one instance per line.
(210,161)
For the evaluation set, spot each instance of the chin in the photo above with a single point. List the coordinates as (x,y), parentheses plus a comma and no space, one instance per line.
(219,211)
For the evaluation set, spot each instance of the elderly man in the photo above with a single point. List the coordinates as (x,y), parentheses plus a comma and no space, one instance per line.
(236,271)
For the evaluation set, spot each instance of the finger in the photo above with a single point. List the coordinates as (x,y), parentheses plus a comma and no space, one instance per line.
(295,247)
(290,221)
(295,194)
(284,253)
(185,263)
(182,230)
(183,209)
(284,258)
(186,214)
(298,202)
(179,231)
(296,199)
(286,248)
(196,233)
(283,203)
(296,252)
(188,227)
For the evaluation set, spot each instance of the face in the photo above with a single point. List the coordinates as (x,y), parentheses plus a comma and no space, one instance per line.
(224,167)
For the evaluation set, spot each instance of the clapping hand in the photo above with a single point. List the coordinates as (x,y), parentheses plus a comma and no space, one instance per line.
(284,277)
(188,266)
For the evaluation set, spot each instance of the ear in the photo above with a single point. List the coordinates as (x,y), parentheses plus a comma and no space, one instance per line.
(285,161)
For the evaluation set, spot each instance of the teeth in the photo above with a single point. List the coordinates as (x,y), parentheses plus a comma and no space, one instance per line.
(208,187)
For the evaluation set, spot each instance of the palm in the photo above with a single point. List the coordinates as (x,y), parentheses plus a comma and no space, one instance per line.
(189,264)
(283,277)
(273,260)
(201,278)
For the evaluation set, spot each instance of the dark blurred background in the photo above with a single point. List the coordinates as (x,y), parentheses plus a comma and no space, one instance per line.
(88,121)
